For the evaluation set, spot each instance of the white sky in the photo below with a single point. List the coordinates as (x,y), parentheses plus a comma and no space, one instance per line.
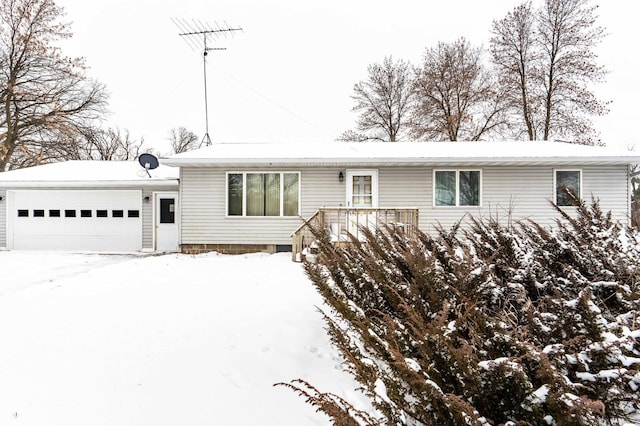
(289,75)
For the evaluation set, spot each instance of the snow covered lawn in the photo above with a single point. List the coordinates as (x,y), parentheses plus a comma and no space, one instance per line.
(160,340)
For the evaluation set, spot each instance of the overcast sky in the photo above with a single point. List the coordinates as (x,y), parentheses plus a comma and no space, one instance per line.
(289,75)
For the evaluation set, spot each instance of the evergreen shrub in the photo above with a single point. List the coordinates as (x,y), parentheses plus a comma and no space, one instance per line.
(485,324)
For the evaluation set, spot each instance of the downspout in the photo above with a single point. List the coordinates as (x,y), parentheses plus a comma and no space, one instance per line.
(629,218)
(630,176)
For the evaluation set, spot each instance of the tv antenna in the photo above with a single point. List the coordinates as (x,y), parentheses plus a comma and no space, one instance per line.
(196,34)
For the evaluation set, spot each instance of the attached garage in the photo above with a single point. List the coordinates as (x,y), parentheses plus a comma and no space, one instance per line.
(105,220)
(95,206)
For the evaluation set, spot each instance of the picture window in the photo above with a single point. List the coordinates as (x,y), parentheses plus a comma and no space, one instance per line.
(263,194)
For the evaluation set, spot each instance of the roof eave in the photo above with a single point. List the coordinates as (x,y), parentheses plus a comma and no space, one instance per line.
(163,183)
(405,161)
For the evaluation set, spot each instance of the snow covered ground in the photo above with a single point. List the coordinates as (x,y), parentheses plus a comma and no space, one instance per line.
(160,340)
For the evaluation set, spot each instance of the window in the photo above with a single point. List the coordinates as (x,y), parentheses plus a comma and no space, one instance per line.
(54,213)
(101,213)
(362,191)
(85,213)
(23,213)
(235,194)
(167,210)
(263,194)
(291,194)
(38,213)
(457,187)
(117,213)
(69,213)
(133,213)
(567,181)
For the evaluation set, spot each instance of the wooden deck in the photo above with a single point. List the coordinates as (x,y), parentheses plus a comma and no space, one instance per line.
(340,222)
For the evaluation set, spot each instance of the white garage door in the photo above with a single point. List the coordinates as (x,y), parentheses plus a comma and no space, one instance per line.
(75,220)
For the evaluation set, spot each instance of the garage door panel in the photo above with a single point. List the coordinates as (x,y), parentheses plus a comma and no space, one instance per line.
(72,220)
(83,243)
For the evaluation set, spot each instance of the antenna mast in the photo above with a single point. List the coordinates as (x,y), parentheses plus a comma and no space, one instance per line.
(192,31)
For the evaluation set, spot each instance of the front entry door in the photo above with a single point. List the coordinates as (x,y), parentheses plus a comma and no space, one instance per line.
(166,221)
(362,195)
(362,188)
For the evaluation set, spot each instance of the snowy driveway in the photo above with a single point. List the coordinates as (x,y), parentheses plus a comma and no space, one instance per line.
(21,270)
(159,340)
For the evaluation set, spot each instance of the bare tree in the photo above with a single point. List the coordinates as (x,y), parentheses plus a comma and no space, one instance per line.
(182,140)
(45,97)
(514,54)
(455,96)
(352,136)
(383,101)
(546,61)
(107,144)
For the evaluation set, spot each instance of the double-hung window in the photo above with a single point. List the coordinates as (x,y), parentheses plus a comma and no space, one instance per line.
(457,187)
(567,182)
(263,194)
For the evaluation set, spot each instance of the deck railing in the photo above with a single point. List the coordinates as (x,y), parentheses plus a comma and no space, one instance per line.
(342,221)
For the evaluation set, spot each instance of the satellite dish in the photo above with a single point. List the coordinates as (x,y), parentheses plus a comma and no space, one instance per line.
(148,161)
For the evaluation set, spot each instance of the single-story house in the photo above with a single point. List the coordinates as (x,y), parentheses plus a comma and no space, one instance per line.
(237,198)
(247,197)
(102,206)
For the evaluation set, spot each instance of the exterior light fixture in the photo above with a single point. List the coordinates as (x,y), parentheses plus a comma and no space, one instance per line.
(340,177)
(146,199)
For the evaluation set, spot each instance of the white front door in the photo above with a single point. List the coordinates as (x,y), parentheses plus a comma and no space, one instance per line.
(362,194)
(362,188)
(166,221)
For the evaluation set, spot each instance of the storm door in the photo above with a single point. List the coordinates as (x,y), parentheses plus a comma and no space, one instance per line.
(362,196)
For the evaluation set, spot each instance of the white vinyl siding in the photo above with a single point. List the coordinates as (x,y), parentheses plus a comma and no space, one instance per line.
(147,219)
(610,184)
(523,191)
(203,205)
(3,219)
(204,220)
(404,187)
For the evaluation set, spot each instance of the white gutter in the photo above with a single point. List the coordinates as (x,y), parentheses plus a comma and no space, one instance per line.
(173,183)
(551,160)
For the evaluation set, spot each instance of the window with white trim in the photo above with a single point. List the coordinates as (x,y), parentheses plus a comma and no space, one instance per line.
(457,187)
(263,194)
(567,182)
